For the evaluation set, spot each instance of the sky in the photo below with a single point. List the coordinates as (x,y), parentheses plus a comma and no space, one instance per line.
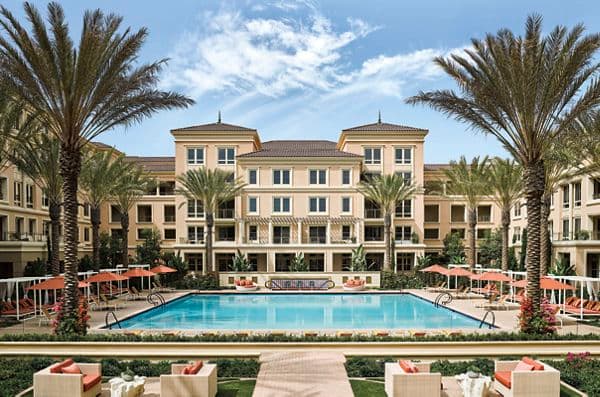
(306,69)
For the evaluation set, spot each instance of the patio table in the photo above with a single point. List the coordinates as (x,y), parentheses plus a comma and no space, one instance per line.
(119,387)
(475,387)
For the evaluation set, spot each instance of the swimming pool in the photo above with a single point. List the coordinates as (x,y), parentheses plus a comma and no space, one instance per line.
(297,311)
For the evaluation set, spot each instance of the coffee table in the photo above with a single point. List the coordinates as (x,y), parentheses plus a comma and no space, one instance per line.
(119,387)
(475,387)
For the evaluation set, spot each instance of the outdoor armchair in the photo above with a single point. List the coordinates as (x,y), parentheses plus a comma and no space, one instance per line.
(540,381)
(52,382)
(399,383)
(179,384)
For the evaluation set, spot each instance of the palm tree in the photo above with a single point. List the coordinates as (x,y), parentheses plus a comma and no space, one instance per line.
(129,187)
(99,171)
(506,188)
(212,188)
(15,127)
(386,191)
(78,92)
(525,91)
(38,158)
(471,182)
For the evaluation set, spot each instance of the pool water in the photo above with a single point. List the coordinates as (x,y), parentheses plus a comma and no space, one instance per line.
(311,311)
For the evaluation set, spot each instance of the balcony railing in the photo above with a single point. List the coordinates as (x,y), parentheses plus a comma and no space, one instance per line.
(317,239)
(170,218)
(373,213)
(15,236)
(183,240)
(225,213)
(281,239)
(225,238)
(484,218)
(581,235)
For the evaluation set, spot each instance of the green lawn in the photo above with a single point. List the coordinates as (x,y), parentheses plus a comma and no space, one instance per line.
(236,388)
(367,388)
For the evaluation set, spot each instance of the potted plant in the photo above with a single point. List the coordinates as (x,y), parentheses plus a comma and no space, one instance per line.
(473,371)
(127,375)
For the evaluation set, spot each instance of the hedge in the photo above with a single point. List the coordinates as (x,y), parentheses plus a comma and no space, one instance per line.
(118,337)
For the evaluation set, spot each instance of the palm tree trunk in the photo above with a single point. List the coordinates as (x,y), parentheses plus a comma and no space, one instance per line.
(387,256)
(544,234)
(54,213)
(210,221)
(534,177)
(505,226)
(70,166)
(95,220)
(472,237)
(125,239)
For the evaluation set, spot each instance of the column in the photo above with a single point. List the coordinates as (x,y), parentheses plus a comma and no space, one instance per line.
(328,232)
(241,233)
(270,233)
(271,262)
(357,231)
(328,256)
(299,232)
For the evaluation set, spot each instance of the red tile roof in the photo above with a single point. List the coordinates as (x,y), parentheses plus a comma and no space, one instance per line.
(299,148)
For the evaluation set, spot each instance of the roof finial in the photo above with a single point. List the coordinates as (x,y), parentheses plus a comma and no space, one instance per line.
(379,117)
(219,117)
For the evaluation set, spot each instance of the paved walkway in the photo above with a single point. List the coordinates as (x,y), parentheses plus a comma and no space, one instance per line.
(308,373)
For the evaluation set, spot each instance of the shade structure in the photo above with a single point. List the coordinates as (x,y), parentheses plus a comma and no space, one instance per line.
(160,269)
(435,269)
(105,277)
(458,272)
(494,276)
(138,272)
(54,283)
(545,283)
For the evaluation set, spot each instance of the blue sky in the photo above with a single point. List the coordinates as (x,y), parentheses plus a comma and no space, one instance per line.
(307,69)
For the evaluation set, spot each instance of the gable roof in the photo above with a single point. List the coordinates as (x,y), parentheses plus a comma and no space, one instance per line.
(218,126)
(298,148)
(153,164)
(379,127)
(436,167)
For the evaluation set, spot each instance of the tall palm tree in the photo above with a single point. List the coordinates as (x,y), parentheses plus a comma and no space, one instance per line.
(38,158)
(525,91)
(386,191)
(505,181)
(471,182)
(129,187)
(99,171)
(212,188)
(15,127)
(78,91)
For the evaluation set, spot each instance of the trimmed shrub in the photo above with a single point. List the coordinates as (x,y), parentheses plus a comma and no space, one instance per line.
(399,281)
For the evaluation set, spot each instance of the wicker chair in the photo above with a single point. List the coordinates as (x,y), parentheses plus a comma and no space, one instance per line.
(534,383)
(50,382)
(401,384)
(202,384)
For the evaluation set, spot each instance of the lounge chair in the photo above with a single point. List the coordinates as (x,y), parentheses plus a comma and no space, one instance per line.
(138,293)
(527,378)
(198,379)
(575,306)
(46,317)
(401,380)
(500,304)
(490,300)
(63,380)
(162,288)
(438,288)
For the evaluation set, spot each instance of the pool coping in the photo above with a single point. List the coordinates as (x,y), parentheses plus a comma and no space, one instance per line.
(484,325)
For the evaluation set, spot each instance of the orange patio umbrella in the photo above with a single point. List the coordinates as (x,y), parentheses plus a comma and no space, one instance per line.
(435,269)
(105,277)
(457,272)
(545,283)
(160,269)
(494,276)
(139,272)
(54,283)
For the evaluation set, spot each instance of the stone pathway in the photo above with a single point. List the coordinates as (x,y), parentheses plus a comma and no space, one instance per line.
(308,373)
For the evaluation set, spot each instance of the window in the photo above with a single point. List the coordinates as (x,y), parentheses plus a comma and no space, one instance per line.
(252,233)
(346,232)
(144,213)
(403,155)
(596,189)
(170,234)
(18,187)
(373,233)
(45,200)
(253,205)
(225,233)
(369,175)
(404,209)
(281,177)
(517,234)
(372,210)
(317,177)
(457,213)
(118,233)
(86,234)
(281,234)
(404,261)
(517,209)
(169,213)
(226,210)
(565,229)
(565,195)
(195,209)
(346,177)
(142,233)
(317,234)
(115,214)
(432,213)
(281,204)
(576,226)
(403,233)
(372,155)
(431,234)
(29,195)
(346,205)
(407,176)
(32,226)
(253,177)
(151,190)
(195,234)
(483,233)
(577,194)
(226,156)
(86,210)
(317,204)
(459,231)
(484,213)
(195,156)
(3,188)
(166,188)
(19,227)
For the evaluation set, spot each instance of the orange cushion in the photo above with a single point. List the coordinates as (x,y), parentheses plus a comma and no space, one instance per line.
(193,368)
(537,366)
(57,368)
(523,366)
(71,369)
(90,381)
(504,378)
(408,367)
(185,371)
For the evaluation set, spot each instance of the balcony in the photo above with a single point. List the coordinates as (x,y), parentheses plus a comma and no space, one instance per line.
(225,213)
(26,237)
(373,213)
(281,239)
(183,240)
(317,240)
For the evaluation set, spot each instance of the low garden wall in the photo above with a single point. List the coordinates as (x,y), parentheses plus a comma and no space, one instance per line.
(372,279)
